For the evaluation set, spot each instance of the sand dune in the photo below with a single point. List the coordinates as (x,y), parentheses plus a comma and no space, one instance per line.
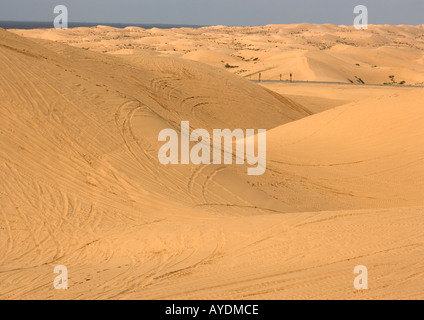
(81,185)
(360,155)
(310,52)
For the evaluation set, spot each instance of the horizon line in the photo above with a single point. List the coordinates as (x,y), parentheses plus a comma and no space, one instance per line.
(110,24)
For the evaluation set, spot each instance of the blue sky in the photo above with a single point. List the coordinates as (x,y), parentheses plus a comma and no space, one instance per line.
(213,12)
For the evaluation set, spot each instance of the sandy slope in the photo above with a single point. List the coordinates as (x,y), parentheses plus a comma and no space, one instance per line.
(319,97)
(360,155)
(80,183)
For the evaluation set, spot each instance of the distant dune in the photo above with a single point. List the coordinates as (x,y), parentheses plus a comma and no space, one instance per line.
(81,184)
(310,52)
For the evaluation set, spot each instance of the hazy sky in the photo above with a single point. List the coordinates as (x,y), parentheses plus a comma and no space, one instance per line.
(213,12)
